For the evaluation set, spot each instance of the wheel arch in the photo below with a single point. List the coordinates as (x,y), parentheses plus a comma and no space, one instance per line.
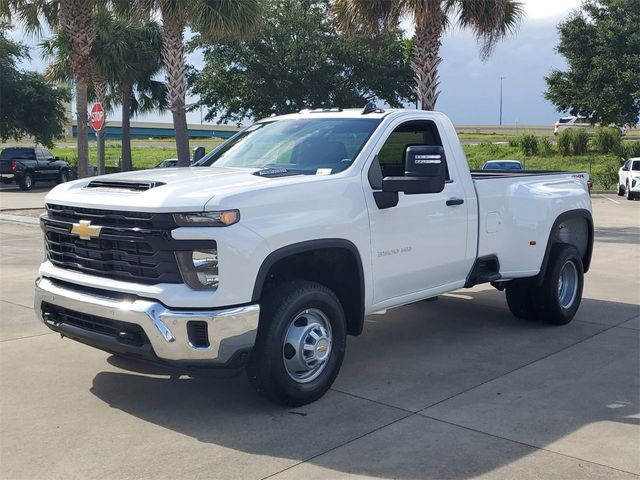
(334,262)
(574,227)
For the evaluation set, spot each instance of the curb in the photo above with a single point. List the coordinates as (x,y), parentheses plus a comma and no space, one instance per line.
(19,220)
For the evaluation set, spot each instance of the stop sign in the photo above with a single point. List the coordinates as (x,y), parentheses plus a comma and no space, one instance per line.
(97,117)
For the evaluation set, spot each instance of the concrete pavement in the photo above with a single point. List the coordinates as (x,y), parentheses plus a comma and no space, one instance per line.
(12,198)
(456,388)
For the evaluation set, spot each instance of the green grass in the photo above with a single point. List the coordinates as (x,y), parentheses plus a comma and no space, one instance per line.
(143,156)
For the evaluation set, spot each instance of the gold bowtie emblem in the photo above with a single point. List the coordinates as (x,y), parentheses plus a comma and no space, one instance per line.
(85,230)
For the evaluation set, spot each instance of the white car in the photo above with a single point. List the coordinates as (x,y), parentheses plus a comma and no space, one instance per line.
(502,165)
(629,179)
(577,122)
(274,248)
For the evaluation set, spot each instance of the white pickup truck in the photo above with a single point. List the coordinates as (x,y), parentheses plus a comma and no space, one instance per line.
(274,247)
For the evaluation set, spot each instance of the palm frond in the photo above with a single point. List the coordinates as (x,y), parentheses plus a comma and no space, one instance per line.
(490,20)
(224,19)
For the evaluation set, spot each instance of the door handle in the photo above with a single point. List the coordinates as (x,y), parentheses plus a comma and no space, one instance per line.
(454,201)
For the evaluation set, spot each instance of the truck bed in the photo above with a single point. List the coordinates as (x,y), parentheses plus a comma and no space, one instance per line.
(516,210)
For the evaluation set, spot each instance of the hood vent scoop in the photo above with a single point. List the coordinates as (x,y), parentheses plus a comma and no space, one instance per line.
(123,186)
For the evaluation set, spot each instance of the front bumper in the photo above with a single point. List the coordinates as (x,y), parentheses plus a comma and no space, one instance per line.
(231,332)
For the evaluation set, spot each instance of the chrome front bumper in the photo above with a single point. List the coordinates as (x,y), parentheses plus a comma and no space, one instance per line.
(230,330)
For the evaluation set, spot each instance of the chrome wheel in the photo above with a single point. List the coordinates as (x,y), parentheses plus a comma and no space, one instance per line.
(568,285)
(307,345)
(28,182)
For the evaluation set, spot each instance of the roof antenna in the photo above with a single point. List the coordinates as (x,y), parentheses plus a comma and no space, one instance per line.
(371,107)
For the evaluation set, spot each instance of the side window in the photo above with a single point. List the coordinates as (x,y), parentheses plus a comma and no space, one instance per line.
(39,153)
(46,155)
(418,132)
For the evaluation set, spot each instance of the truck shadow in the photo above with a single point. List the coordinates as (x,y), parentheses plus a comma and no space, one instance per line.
(412,358)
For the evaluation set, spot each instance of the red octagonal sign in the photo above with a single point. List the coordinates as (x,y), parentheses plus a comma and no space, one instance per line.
(97,116)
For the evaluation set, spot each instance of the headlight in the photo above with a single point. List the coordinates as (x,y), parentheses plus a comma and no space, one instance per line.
(222,218)
(199,268)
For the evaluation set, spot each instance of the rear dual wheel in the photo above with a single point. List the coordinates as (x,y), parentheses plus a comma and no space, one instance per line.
(557,299)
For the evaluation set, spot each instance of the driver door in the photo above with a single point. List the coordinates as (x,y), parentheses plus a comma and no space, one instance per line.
(419,246)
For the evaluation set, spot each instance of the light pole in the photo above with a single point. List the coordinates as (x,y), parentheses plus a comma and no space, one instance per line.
(501,80)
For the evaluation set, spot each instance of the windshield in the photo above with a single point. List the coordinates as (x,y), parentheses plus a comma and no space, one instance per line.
(309,146)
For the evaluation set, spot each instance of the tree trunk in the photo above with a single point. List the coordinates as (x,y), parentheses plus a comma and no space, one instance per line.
(83,135)
(77,22)
(174,64)
(126,92)
(182,136)
(425,60)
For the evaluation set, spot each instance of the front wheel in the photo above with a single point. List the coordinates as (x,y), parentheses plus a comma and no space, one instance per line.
(300,343)
(558,298)
(63,177)
(630,195)
(620,190)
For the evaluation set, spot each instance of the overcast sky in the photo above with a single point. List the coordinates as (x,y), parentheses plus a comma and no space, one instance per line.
(470,87)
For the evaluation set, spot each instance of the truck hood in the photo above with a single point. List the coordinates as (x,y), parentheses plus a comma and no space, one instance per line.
(170,189)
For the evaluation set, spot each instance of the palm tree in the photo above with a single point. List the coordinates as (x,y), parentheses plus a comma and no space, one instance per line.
(74,17)
(490,21)
(126,58)
(128,55)
(213,19)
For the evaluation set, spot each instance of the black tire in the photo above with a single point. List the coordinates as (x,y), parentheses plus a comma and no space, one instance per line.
(27,182)
(620,190)
(266,368)
(555,305)
(630,195)
(519,300)
(64,176)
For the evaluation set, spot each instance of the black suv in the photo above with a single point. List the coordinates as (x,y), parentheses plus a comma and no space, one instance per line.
(26,165)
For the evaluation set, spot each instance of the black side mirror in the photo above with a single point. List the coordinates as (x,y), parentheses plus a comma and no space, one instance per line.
(198,153)
(424,171)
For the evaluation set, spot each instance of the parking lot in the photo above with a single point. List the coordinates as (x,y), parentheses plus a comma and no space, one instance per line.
(456,388)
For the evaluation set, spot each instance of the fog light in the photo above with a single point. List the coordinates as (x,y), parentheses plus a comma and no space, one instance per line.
(199,268)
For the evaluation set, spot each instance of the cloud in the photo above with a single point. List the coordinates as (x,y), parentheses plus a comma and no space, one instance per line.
(549,9)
